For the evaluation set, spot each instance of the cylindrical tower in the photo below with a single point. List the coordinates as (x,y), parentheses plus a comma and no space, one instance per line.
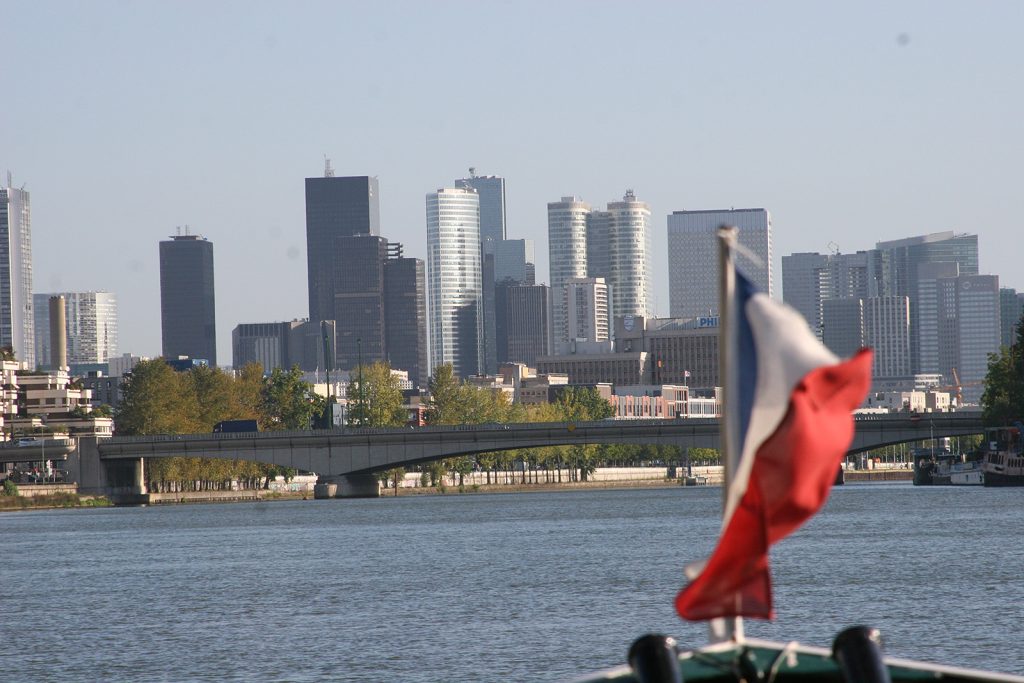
(58,333)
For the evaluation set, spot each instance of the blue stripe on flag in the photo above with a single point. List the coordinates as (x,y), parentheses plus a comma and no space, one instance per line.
(746,369)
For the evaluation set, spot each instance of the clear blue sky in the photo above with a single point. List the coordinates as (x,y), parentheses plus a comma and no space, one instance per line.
(851,124)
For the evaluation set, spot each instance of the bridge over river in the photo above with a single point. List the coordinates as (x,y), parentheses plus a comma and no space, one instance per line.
(351,458)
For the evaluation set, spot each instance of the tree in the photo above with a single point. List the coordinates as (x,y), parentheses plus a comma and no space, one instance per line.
(445,403)
(155,400)
(1002,400)
(380,398)
(287,402)
(214,395)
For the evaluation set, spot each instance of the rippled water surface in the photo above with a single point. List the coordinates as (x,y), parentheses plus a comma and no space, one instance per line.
(541,586)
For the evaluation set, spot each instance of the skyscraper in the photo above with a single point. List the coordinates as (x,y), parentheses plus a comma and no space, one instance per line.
(491,191)
(335,207)
(91,322)
(1011,308)
(455,290)
(567,255)
(405,318)
(358,311)
(909,267)
(693,256)
(808,279)
(17,327)
(522,322)
(629,255)
(187,317)
(968,329)
(514,260)
(588,319)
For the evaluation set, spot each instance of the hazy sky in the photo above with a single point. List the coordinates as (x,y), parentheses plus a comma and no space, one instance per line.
(851,124)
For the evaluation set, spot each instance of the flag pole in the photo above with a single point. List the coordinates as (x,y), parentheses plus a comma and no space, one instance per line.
(725,629)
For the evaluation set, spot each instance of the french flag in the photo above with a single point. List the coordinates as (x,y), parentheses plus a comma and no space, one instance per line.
(789,403)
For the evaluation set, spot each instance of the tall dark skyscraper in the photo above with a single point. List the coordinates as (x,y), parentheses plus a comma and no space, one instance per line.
(405,306)
(335,207)
(522,322)
(358,309)
(187,319)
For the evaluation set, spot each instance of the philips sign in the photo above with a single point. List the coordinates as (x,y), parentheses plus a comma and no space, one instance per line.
(709,321)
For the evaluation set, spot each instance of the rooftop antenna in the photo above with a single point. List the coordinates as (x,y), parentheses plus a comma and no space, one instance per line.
(328,171)
(472,172)
(9,179)
(834,248)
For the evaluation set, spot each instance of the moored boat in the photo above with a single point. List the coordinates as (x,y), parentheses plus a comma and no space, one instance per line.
(947,469)
(1003,462)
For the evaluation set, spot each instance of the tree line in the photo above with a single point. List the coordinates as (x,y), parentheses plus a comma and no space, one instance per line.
(158,400)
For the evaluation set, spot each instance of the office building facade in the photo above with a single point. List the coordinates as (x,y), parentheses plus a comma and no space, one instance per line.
(909,267)
(567,254)
(969,329)
(693,256)
(629,255)
(17,324)
(91,327)
(335,207)
(491,192)
(1011,308)
(454,280)
(405,316)
(808,279)
(188,321)
(522,322)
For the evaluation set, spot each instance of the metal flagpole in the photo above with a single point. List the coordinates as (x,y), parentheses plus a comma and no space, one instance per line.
(724,629)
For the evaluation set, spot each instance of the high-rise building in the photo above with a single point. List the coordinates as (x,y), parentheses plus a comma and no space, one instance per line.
(283,345)
(188,320)
(491,192)
(887,331)
(968,330)
(900,269)
(358,311)
(455,289)
(335,208)
(405,315)
(843,325)
(567,253)
(586,304)
(91,322)
(808,279)
(522,322)
(693,256)
(17,325)
(629,256)
(925,305)
(514,261)
(1011,308)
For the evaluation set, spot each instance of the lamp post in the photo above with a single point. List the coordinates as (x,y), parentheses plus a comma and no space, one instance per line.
(362,406)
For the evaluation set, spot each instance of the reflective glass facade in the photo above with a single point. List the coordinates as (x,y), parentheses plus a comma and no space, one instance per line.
(187,307)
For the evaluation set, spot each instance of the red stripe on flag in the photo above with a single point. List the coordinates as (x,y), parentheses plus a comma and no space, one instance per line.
(792,473)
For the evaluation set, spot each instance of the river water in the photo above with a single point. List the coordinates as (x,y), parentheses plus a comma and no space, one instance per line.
(532,586)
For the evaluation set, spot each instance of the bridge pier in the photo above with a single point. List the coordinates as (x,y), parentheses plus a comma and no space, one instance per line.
(347,486)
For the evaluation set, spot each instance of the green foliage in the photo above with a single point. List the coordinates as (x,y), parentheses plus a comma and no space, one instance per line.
(378,403)
(287,402)
(445,402)
(156,400)
(10,488)
(7,353)
(1002,400)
